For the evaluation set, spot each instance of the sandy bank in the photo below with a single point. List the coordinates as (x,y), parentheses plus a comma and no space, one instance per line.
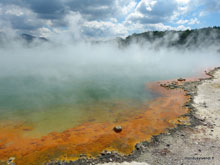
(195,144)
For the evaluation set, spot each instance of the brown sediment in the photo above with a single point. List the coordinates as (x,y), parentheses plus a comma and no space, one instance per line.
(92,138)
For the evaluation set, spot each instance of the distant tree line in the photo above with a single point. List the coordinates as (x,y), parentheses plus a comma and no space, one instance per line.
(187,38)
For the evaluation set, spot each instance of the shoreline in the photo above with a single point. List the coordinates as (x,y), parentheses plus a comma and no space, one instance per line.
(197,143)
(185,144)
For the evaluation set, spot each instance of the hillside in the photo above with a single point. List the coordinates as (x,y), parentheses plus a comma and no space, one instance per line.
(183,39)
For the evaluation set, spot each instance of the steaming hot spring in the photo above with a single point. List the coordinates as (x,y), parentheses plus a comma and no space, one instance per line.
(64,101)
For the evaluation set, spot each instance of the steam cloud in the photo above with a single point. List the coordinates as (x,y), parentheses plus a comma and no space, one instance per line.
(64,72)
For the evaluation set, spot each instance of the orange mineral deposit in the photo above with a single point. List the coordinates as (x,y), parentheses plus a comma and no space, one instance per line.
(92,137)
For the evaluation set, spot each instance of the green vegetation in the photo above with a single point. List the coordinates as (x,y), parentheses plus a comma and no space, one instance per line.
(185,39)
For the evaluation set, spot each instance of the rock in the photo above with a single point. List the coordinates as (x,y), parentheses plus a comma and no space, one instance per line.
(138,146)
(108,152)
(172,87)
(164,85)
(181,79)
(11,161)
(188,94)
(103,153)
(117,129)
(187,104)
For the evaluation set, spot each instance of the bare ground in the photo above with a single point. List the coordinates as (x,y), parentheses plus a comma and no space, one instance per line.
(199,143)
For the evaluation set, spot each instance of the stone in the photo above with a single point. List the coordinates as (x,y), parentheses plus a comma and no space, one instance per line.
(11,161)
(187,104)
(108,152)
(172,87)
(163,85)
(188,94)
(138,146)
(181,79)
(117,129)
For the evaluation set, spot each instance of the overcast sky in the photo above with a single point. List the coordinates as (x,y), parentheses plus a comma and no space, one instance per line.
(105,18)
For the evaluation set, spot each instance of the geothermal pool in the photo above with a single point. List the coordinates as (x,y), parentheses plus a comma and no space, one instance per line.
(48,104)
(57,105)
(77,116)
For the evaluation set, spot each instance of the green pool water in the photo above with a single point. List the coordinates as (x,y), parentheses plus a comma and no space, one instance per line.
(54,105)
(50,104)
(53,91)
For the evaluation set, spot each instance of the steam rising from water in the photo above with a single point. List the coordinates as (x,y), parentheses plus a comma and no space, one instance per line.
(49,78)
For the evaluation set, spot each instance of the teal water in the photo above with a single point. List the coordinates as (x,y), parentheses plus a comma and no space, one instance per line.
(53,90)
(55,105)
(51,104)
